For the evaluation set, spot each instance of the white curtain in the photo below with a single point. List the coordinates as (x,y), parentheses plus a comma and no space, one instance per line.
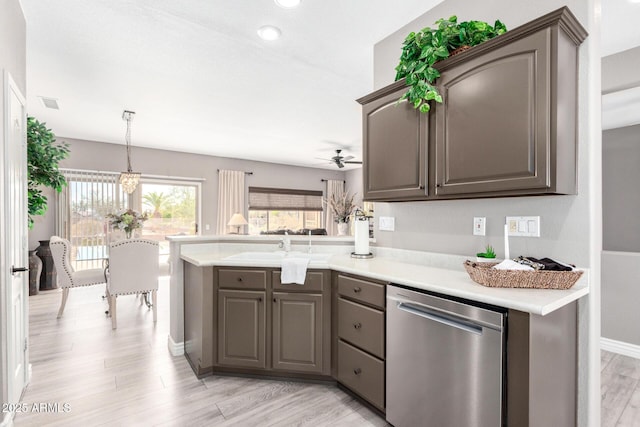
(336,188)
(230,198)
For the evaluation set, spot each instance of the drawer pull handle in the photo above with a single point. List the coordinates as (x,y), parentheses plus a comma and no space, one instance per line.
(357,371)
(239,279)
(356,289)
(357,325)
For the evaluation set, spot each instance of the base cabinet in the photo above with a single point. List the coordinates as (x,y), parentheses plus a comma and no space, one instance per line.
(360,337)
(242,328)
(297,332)
(265,325)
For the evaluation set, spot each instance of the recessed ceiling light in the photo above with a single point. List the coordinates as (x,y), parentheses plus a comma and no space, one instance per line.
(269,32)
(287,4)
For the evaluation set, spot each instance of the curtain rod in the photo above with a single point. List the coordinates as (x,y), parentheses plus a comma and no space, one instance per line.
(325,180)
(144,175)
(246,173)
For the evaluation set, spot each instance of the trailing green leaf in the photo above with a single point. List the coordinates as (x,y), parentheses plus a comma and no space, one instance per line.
(422,49)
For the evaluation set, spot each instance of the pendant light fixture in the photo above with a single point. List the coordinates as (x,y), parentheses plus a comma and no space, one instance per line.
(129,179)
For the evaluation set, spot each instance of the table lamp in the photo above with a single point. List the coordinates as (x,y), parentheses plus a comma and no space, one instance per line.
(237,220)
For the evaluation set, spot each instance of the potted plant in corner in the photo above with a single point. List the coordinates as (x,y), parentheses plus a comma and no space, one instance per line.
(423,49)
(43,157)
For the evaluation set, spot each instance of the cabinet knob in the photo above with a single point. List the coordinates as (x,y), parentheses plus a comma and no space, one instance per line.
(357,325)
(259,299)
(275,300)
(356,289)
(421,187)
(239,279)
(357,371)
(438,185)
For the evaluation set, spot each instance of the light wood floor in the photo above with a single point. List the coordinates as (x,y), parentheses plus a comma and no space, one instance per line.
(620,390)
(127,377)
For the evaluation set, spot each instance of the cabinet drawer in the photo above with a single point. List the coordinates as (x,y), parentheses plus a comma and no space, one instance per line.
(361,290)
(313,282)
(362,373)
(242,279)
(361,326)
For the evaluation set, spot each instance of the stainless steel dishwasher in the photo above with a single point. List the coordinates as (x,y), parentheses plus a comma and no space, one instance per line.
(445,361)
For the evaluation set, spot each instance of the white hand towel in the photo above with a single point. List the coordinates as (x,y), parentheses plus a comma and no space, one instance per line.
(294,270)
(508,264)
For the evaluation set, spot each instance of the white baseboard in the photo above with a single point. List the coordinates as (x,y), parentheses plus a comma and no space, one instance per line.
(620,347)
(175,348)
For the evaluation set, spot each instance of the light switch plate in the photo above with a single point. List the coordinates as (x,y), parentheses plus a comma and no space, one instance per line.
(479,226)
(387,223)
(525,226)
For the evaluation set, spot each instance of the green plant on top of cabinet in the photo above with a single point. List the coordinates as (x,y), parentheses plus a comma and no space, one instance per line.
(423,49)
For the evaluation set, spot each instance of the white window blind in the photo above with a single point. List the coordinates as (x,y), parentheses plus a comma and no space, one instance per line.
(82,208)
(268,199)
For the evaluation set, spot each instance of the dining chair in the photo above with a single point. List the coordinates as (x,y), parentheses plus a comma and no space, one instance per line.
(133,269)
(67,277)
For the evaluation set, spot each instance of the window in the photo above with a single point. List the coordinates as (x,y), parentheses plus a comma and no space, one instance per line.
(273,209)
(173,208)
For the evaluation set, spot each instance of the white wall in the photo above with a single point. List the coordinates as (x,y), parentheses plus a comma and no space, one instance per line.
(570,225)
(91,155)
(621,202)
(620,71)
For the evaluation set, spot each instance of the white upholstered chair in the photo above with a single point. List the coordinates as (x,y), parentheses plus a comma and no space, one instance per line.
(67,276)
(133,269)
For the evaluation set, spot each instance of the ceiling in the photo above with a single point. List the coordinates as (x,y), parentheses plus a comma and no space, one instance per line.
(201,81)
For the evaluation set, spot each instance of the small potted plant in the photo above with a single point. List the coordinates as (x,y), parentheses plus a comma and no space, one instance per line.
(489,255)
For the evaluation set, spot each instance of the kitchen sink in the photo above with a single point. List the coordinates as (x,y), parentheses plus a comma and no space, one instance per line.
(278,255)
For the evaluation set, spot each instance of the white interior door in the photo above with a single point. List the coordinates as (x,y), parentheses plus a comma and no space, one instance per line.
(15,218)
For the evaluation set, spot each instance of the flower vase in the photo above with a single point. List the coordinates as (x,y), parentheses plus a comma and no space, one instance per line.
(343,229)
(128,234)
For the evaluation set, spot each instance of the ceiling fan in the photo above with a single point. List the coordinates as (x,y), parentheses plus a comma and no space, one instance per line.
(340,160)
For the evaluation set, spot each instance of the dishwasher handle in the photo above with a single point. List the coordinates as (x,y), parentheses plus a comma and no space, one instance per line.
(431,315)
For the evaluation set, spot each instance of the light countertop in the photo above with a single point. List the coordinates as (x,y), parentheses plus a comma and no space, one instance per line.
(445,281)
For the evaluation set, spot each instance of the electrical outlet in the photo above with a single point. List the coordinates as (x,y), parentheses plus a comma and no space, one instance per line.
(386,223)
(479,226)
(526,226)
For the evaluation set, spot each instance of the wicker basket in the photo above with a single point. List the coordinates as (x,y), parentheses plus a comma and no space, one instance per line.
(483,274)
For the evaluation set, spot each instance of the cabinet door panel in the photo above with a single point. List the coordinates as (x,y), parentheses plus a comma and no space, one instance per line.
(297,332)
(241,328)
(394,149)
(492,131)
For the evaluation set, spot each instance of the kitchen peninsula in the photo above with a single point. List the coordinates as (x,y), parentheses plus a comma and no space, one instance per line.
(540,346)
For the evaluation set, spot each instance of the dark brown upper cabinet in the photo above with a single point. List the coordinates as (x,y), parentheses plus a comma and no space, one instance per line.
(394,150)
(507,125)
